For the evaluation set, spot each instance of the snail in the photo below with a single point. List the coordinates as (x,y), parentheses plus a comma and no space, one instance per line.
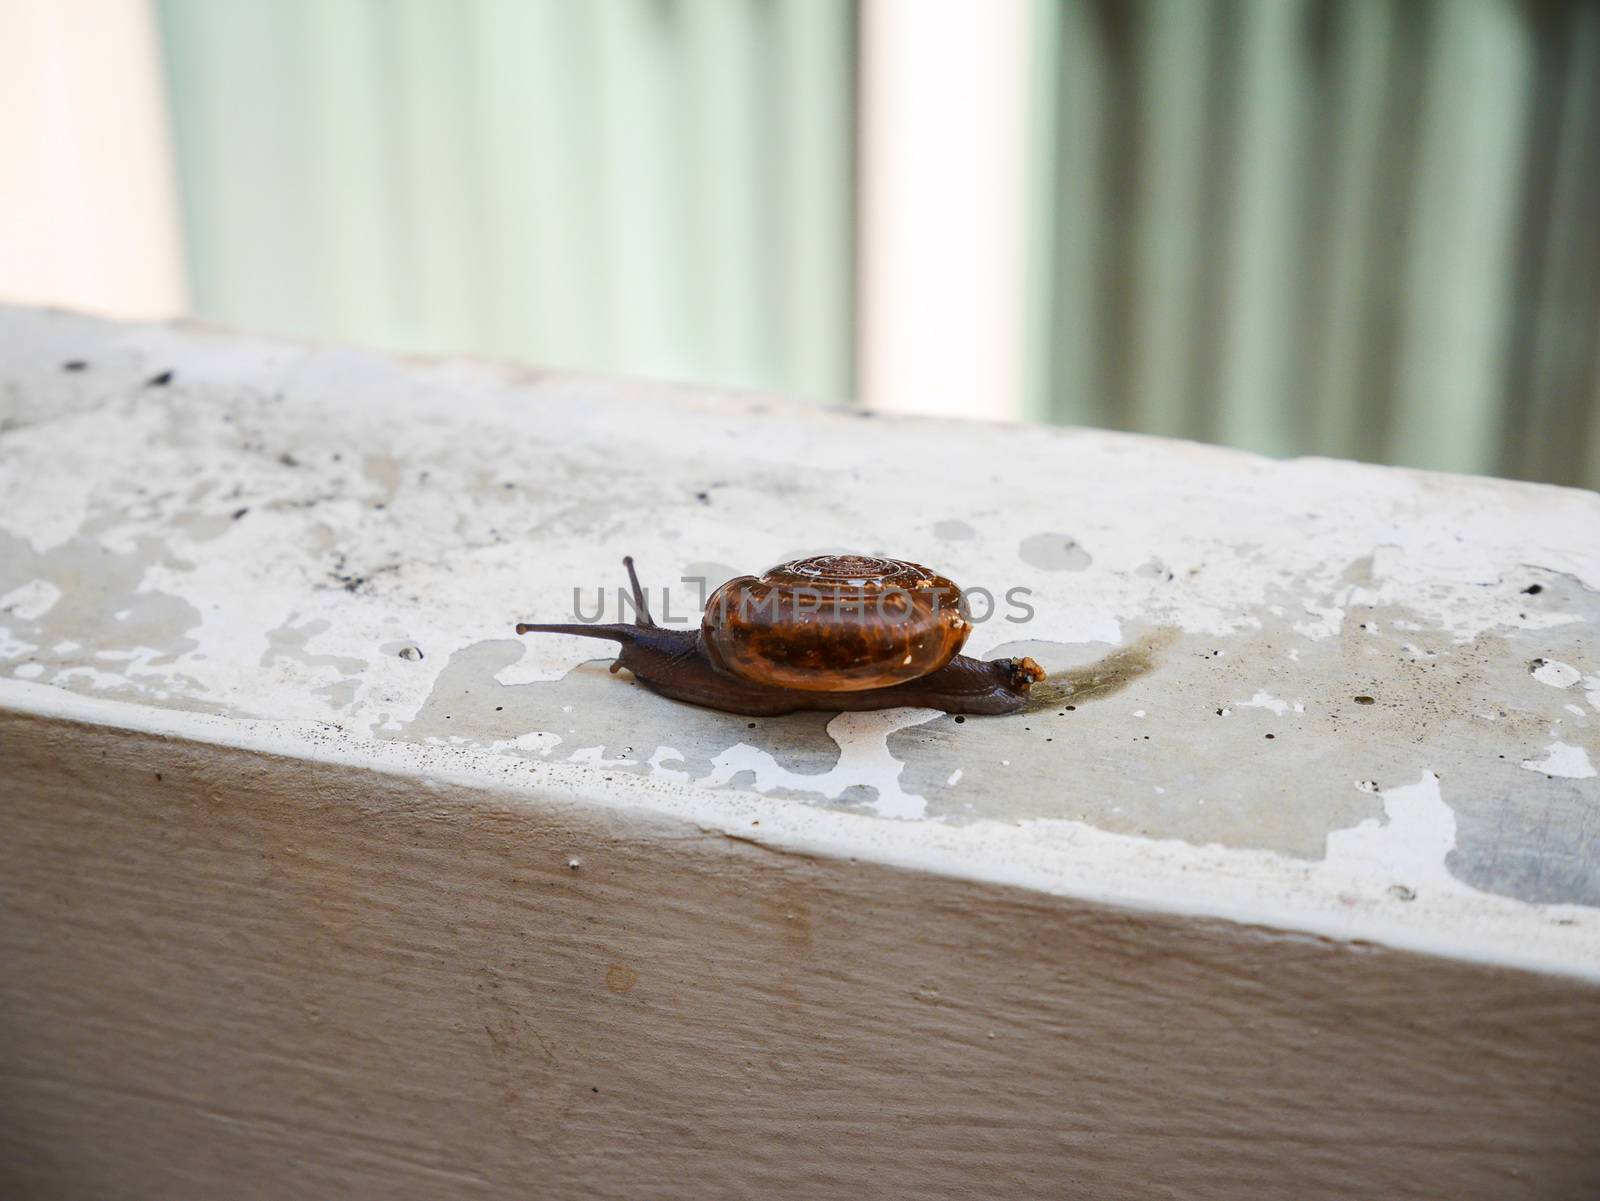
(831,632)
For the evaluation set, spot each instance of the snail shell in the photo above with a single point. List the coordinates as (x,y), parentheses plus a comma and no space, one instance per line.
(835,623)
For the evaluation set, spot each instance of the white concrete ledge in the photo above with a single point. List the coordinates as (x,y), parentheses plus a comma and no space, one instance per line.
(317,880)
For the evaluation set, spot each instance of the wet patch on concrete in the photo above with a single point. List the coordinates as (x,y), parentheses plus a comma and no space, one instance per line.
(1054,552)
(954,530)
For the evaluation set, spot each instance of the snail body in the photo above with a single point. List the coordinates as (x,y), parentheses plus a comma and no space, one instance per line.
(845,632)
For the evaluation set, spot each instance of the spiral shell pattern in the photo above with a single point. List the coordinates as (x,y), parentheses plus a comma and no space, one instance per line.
(835,623)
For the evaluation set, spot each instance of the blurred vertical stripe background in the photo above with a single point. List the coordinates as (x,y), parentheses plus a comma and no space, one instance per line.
(1366,228)
(1363,228)
(658,187)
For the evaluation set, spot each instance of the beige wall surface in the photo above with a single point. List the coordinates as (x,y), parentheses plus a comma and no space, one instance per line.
(88,198)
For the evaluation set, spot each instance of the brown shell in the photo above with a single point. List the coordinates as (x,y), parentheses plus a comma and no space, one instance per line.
(835,623)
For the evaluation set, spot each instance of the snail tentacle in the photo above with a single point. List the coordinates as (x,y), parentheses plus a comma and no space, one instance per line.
(639,604)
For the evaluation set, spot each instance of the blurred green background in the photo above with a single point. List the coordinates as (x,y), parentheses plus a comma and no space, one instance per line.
(645,186)
(1366,228)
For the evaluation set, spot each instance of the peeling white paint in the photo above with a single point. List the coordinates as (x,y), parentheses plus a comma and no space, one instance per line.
(595,756)
(12,647)
(1408,848)
(1563,759)
(539,742)
(1556,674)
(864,761)
(1276,705)
(1329,622)
(30,601)
(92,677)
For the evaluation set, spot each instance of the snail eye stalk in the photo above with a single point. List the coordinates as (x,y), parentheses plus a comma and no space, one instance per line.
(638,593)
